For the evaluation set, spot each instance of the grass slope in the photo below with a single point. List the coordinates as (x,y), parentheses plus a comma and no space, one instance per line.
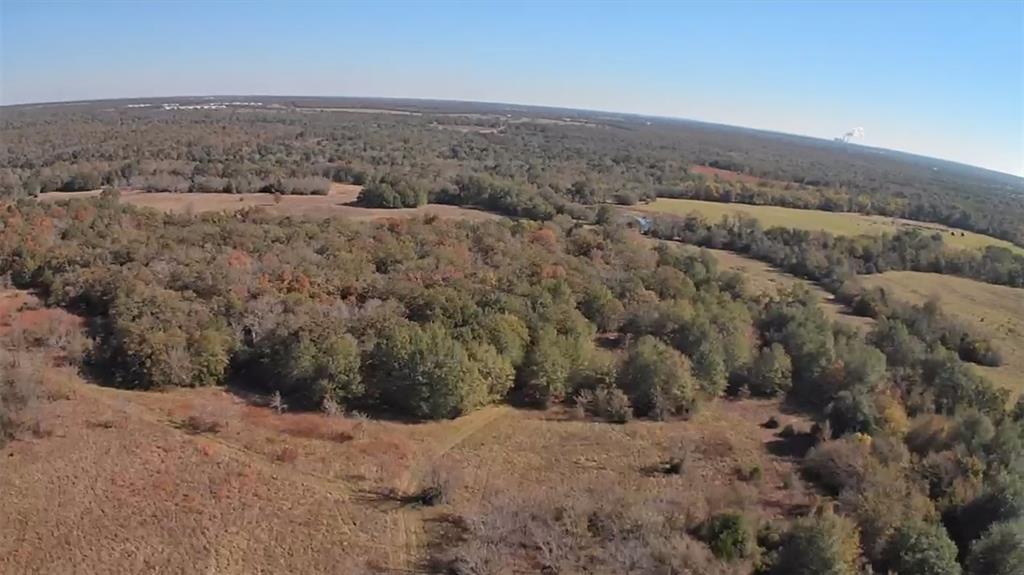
(839,223)
(991,310)
(763,278)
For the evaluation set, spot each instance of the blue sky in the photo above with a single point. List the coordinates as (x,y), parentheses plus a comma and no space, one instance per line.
(941,79)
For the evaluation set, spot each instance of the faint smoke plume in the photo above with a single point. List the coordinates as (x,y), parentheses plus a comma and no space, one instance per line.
(853,134)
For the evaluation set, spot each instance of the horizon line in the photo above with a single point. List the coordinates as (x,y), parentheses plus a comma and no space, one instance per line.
(1019,176)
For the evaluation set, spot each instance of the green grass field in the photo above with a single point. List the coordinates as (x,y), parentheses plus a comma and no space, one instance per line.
(839,223)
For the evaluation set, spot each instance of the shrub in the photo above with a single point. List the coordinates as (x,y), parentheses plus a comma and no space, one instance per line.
(730,536)
(657,379)
(608,403)
(20,392)
(839,464)
(750,473)
(922,549)
(979,351)
(287,454)
(822,545)
(1000,551)
(76,347)
(203,423)
(436,485)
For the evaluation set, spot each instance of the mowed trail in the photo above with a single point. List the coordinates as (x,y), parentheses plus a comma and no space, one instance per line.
(411,529)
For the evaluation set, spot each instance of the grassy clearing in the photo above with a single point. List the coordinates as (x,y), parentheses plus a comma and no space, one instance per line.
(338,203)
(209,481)
(838,223)
(763,278)
(270,493)
(991,310)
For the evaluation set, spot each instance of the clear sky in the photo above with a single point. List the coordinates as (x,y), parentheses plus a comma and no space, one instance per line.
(944,79)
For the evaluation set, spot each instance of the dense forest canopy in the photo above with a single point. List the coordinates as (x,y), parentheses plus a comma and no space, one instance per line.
(298,145)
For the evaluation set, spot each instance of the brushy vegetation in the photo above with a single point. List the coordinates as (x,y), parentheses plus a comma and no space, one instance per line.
(20,392)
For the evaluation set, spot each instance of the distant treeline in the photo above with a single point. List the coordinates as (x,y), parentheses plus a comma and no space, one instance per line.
(287,150)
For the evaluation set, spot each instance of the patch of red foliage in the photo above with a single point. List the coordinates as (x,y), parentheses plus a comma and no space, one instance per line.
(305,425)
(20,311)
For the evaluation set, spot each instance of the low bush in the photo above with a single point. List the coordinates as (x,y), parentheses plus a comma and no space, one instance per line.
(608,403)
(729,535)
(839,464)
(436,485)
(203,421)
(20,393)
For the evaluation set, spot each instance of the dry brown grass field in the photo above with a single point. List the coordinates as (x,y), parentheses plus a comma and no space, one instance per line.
(210,481)
(338,203)
(991,310)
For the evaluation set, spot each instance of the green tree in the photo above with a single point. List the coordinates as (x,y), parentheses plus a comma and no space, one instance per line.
(1000,551)
(852,411)
(423,371)
(599,305)
(771,373)
(311,364)
(506,333)
(546,370)
(822,545)
(657,379)
(921,548)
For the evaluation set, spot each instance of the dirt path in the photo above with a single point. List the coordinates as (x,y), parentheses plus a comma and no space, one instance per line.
(410,529)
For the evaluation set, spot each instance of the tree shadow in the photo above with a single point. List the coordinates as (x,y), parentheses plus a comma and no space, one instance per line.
(793,446)
(427,497)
